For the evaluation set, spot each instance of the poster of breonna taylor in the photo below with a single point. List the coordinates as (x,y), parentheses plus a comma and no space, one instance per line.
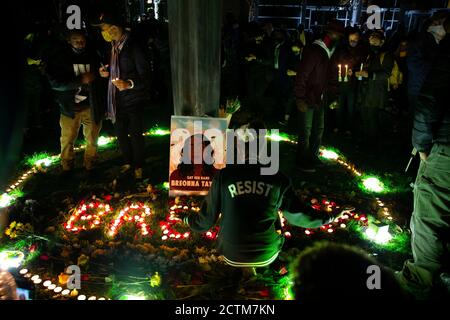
(197,153)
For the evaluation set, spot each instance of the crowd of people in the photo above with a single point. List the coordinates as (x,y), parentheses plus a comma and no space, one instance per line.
(285,78)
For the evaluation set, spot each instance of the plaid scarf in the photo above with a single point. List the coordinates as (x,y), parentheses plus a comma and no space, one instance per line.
(114,73)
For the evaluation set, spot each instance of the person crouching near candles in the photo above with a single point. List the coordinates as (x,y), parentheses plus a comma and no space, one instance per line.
(350,54)
(316,73)
(72,75)
(245,204)
(129,75)
(377,69)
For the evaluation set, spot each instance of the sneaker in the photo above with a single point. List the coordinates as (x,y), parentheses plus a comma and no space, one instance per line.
(138,174)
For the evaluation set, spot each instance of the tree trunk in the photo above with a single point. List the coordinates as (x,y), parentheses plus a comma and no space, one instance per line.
(195,45)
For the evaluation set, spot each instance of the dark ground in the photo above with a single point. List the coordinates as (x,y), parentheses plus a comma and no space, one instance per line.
(56,194)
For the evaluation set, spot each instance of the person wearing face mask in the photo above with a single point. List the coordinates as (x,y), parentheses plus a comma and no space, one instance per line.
(422,51)
(377,69)
(351,54)
(72,75)
(128,75)
(316,73)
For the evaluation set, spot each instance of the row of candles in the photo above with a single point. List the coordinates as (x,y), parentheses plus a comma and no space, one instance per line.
(345,78)
(58,290)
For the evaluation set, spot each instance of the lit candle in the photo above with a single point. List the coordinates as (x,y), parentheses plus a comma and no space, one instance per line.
(346,73)
(360,70)
(339,72)
(47,283)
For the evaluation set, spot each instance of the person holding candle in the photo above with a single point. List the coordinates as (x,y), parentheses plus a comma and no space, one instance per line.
(316,74)
(128,90)
(350,55)
(377,69)
(73,77)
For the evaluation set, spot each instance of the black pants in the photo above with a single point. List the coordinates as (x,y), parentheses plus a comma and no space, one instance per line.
(311,127)
(129,128)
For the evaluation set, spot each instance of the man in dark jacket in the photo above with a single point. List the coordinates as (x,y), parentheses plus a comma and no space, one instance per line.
(315,74)
(71,75)
(430,221)
(375,85)
(128,91)
(422,51)
(247,204)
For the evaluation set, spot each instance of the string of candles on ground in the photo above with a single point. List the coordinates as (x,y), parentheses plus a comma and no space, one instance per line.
(87,216)
(41,162)
(56,289)
(141,212)
(368,183)
(172,220)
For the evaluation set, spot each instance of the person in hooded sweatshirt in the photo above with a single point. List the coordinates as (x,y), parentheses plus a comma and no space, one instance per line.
(316,73)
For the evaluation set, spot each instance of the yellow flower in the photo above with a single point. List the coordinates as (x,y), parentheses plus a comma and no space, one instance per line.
(8,232)
(13,224)
(63,278)
(83,260)
(155,280)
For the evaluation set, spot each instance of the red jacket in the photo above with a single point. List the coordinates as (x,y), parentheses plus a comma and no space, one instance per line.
(317,72)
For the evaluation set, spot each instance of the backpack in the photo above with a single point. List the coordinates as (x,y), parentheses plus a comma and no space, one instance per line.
(396,77)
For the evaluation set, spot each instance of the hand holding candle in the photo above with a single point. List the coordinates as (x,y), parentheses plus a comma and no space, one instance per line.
(360,71)
(121,84)
(346,73)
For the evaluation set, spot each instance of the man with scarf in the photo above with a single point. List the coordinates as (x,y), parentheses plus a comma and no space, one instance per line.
(316,73)
(128,91)
(71,76)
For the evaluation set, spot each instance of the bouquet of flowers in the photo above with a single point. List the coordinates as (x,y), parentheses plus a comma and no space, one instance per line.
(17,229)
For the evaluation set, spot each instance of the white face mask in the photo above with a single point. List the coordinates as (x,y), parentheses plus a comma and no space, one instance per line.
(438,32)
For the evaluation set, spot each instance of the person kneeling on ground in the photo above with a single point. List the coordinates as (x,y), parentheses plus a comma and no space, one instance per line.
(247,203)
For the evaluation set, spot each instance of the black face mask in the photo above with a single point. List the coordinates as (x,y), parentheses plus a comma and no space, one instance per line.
(279,40)
(375,48)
